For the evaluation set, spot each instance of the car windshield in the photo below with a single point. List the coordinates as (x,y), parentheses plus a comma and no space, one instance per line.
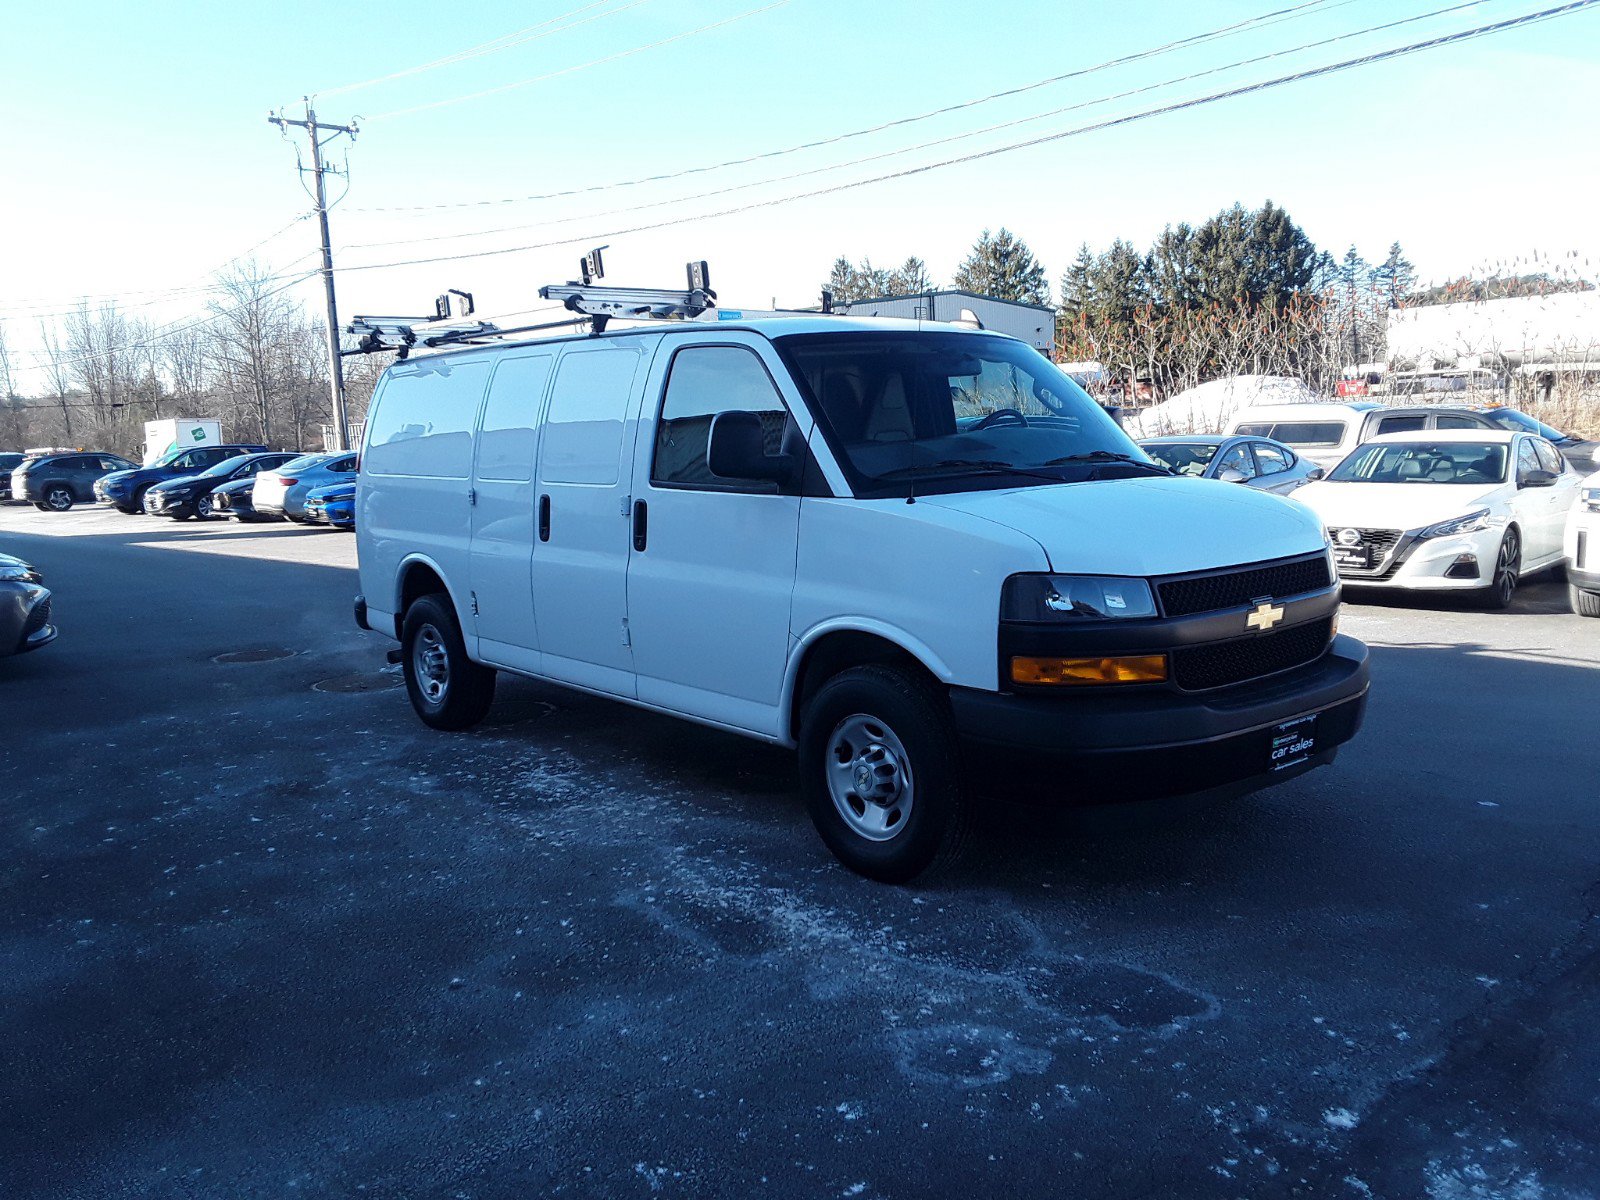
(226,467)
(1521,422)
(942,412)
(1424,462)
(1182,458)
(305,462)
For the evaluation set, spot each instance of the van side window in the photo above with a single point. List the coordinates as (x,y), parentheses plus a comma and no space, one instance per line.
(1257,429)
(1308,433)
(423,421)
(705,381)
(583,428)
(1402,424)
(1457,421)
(506,443)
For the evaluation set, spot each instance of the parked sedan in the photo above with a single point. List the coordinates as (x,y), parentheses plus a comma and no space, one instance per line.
(24,608)
(125,490)
(332,505)
(8,460)
(282,493)
(191,495)
(1450,510)
(234,500)
(1581,547)
(1257,462)
(55,482)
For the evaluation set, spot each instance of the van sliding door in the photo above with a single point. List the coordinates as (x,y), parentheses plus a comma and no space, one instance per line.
(580,553)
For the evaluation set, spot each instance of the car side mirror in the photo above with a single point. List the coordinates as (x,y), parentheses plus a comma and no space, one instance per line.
(1537,479)
(1232,475)
(737,450)
(1315,474)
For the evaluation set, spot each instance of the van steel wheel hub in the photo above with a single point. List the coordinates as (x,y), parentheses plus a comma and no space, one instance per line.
(869,777)
(432,664)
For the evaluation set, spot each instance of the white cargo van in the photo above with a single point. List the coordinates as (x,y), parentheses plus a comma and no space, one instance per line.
(924,557)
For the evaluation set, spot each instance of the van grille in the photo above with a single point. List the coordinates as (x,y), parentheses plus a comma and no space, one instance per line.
(1197,668)
(1235,588)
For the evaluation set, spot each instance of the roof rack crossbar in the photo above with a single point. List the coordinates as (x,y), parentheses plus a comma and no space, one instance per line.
(607,302)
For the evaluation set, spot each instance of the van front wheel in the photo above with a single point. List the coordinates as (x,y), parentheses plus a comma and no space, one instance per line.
(880,772)
(447,689)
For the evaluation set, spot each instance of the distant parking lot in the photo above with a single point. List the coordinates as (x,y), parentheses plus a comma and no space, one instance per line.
(266,934)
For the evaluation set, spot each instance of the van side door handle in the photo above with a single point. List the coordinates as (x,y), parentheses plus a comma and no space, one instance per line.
(544,518)
(641,524)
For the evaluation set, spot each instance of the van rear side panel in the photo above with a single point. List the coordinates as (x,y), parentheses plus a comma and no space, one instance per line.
(412,503)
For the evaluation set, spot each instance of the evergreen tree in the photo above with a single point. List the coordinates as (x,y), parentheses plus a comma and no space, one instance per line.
(1394,278)
(1077,285)
(911,278)
(1002,265)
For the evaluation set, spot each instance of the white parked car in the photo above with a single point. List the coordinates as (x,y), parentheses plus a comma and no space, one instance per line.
(920,555)
(1582,549)
(1448,510)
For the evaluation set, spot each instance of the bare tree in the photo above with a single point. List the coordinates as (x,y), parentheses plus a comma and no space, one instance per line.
(247,323)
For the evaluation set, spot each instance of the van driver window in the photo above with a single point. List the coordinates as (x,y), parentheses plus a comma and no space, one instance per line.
(705,381)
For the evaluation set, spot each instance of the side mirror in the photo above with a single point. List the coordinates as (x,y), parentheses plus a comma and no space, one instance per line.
(1232,475)
(1315,474)
(737,450)
(1537,479)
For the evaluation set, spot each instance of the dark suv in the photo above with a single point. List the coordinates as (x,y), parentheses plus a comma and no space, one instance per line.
(8,460)
(125,490)
(55,482)
(1406,418)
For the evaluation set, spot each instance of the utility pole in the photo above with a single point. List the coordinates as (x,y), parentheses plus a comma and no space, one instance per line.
(314,130)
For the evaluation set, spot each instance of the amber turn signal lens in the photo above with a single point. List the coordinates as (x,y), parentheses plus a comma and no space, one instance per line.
(1144,668)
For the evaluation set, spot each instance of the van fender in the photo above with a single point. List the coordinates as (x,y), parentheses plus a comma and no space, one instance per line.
(893,634)
(418,559)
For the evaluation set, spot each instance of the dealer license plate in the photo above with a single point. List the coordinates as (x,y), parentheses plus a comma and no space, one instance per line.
(1292,743)
(1358,557)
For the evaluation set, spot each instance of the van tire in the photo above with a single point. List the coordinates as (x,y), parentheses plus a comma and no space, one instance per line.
(1585,604)
(447,689)
(890,727)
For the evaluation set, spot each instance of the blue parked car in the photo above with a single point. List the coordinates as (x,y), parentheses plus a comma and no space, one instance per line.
(125,489)
(332,505)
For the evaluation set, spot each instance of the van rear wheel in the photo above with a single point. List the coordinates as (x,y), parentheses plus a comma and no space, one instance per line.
(447,689)
(880,772)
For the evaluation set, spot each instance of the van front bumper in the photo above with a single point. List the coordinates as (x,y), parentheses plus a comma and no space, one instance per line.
(1102,745)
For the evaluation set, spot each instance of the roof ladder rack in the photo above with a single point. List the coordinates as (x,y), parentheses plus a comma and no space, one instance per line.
(603,303)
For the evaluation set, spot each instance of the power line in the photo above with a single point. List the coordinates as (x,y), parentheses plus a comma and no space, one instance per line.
(956,137)
(1265,19)
(31,306)
(162,332)
(506,87)
(506,41)
(1109,123)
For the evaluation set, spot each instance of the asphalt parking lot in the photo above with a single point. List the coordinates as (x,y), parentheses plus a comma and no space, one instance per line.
(264,934)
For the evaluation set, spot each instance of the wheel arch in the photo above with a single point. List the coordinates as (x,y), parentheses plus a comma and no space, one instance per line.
(418,576)
(837,646)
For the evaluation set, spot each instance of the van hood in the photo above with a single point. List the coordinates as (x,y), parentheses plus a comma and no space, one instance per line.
(1394,505)
(1148,526)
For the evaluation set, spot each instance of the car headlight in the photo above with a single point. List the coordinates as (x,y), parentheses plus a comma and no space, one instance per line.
(1470,523)
(1591,499)
(17,573)
(1045,598)
(182,493)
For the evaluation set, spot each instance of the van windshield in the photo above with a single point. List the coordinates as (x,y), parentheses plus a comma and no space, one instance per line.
(948,412)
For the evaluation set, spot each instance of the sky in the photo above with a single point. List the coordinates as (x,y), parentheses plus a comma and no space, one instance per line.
(139,158)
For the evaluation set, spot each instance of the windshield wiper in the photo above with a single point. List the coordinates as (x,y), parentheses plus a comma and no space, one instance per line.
(976,466)
(1106,456)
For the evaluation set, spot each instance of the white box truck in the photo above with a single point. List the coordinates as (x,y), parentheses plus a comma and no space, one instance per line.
(183,432)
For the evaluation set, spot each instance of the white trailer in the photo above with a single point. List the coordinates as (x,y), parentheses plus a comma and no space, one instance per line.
(162,437)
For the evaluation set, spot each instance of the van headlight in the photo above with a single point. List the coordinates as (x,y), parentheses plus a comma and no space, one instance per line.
(1470,523)
(1044,598)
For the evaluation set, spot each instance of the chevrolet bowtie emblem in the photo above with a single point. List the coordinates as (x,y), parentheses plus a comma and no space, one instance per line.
(1264,616)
